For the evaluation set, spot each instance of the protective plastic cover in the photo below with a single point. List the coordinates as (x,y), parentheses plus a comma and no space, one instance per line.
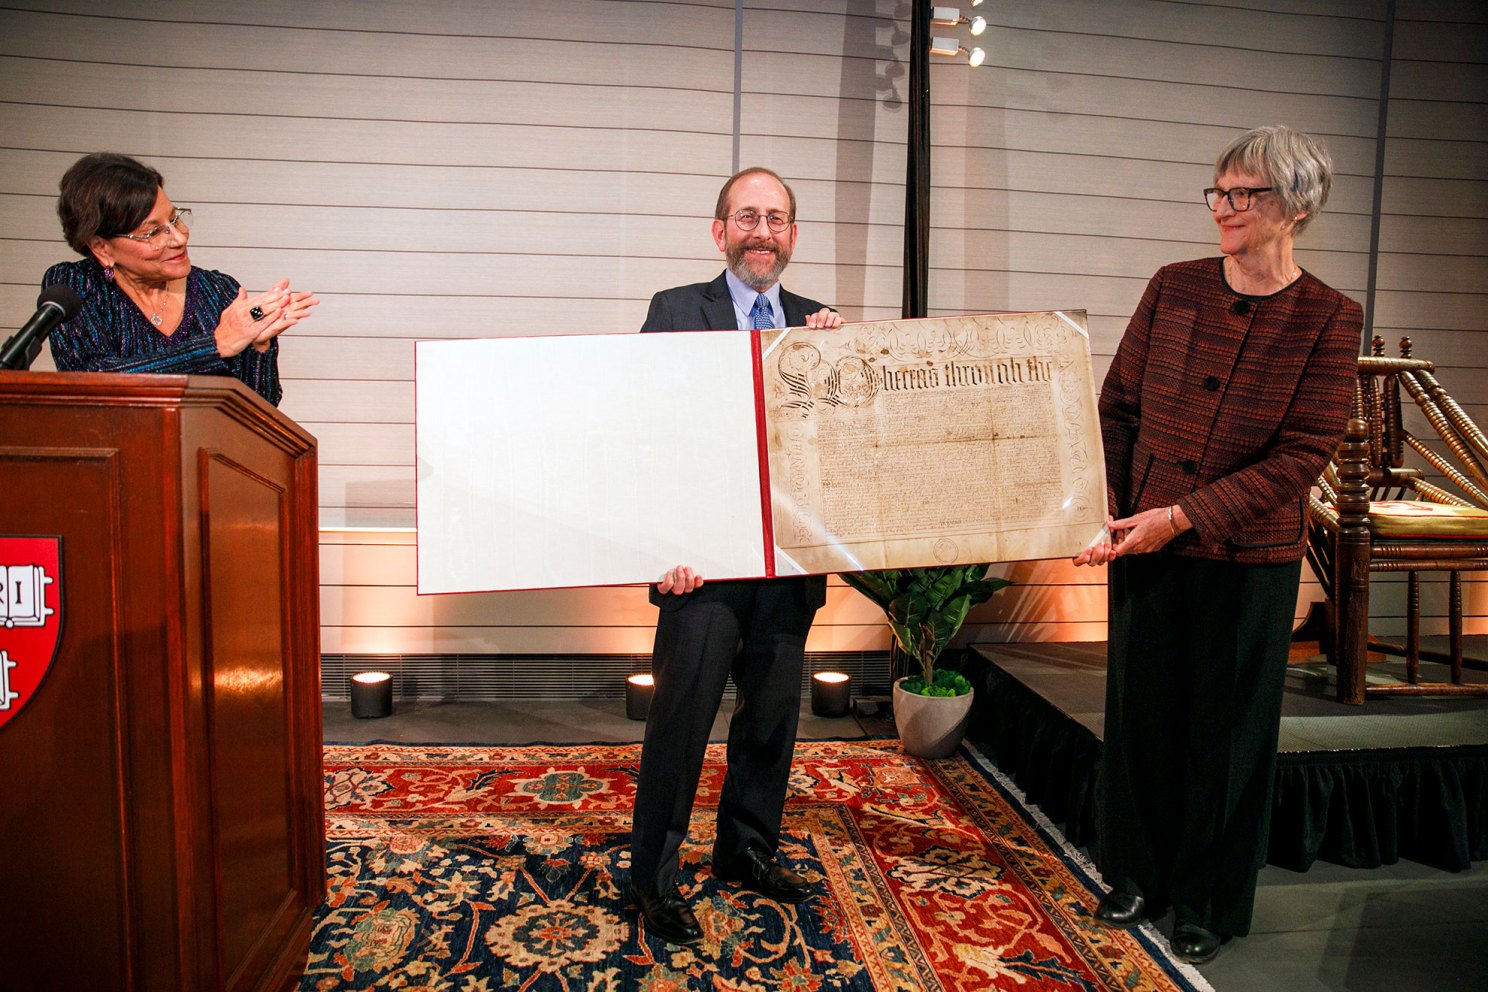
(607,459)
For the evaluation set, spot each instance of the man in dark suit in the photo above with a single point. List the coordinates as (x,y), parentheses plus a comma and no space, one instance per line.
(754,630)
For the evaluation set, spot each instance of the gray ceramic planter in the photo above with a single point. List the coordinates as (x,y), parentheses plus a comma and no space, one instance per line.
(930,726)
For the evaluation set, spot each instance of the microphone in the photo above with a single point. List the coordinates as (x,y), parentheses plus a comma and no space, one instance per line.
(1240,308)
(55,305)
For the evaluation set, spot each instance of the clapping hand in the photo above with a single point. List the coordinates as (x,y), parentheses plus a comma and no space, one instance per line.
(256,320)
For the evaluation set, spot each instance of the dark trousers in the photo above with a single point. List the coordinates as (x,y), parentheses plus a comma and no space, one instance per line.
(697,648)
(1197,659)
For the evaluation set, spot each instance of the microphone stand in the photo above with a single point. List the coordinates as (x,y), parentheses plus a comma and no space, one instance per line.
(18,354)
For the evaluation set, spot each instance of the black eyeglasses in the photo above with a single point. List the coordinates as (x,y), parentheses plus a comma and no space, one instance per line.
(1239,197)
(748,220)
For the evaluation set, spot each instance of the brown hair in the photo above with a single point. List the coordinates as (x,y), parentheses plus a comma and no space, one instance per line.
(720,211)
(105,195)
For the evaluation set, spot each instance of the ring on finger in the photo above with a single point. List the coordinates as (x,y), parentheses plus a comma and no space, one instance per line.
(256,313)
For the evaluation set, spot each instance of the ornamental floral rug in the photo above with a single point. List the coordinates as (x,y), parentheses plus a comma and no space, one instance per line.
(473,869)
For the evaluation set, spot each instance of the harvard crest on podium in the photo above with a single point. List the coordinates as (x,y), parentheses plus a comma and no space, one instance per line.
(30,617)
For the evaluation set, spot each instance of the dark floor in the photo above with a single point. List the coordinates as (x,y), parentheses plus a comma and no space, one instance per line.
(1400,928)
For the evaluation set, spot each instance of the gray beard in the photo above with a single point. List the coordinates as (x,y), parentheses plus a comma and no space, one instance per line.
(758,282)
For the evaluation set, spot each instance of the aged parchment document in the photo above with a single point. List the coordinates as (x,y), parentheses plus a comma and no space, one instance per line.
(608,458)
(939,441)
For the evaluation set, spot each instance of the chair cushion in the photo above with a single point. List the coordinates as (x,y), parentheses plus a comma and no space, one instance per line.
(1421,519)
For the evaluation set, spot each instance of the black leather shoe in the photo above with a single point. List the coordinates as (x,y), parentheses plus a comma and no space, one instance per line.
(757,870)
(1120,910)
(668,916)
(1194,944)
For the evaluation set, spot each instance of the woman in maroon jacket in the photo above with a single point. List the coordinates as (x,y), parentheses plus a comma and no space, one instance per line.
(1226,397)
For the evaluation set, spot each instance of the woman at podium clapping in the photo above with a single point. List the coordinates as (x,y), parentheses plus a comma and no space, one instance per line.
(146,308)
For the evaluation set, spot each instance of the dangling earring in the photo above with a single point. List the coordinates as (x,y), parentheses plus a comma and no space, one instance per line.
(108,273)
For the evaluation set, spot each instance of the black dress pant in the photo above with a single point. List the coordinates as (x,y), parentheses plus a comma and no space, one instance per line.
(1196,665)
(698,646)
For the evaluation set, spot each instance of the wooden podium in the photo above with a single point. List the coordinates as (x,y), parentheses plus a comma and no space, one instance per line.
(161,820)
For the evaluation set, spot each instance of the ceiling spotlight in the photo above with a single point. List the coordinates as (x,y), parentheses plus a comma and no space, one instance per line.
(950,17)
(950,48)
(976,3)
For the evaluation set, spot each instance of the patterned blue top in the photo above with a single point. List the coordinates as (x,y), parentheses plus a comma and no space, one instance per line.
(110,334)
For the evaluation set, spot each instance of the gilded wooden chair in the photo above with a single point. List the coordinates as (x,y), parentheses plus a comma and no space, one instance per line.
(1373,513)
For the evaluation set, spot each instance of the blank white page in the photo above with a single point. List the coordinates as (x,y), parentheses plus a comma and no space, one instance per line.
(586,460)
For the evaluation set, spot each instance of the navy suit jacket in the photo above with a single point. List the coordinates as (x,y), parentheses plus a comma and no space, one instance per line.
(707,306)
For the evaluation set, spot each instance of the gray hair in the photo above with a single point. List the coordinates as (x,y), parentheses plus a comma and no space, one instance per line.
(1293,162)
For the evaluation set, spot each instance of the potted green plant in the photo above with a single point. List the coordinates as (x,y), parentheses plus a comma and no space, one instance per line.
(925,607)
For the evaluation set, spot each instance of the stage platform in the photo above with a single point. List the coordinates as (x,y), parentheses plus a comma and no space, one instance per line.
(1361,786)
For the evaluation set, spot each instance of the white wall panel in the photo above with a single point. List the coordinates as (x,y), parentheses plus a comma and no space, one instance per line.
(457,168)
(264,141)
(1404,308)
(512,49)
(349,401)
(234,92)
(1433,263)
(1330,27)
(815,105)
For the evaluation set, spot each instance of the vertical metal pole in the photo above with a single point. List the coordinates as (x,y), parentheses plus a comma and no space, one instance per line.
(1386,57)
(738,79)
(917,168)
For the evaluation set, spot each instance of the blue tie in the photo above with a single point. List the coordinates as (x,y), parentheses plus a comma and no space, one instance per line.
(762,315)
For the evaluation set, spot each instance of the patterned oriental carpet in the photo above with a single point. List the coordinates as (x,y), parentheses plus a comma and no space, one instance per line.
(474,869)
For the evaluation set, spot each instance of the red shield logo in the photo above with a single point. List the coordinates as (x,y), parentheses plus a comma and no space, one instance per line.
(30,617)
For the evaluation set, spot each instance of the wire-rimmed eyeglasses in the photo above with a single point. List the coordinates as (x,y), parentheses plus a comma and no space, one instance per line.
(155,236)
(748,220)
(1239,197)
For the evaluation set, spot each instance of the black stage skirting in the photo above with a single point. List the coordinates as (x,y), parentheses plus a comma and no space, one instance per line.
(1358,806)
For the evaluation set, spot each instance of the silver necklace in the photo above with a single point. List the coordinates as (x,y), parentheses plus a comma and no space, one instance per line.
(157,317)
